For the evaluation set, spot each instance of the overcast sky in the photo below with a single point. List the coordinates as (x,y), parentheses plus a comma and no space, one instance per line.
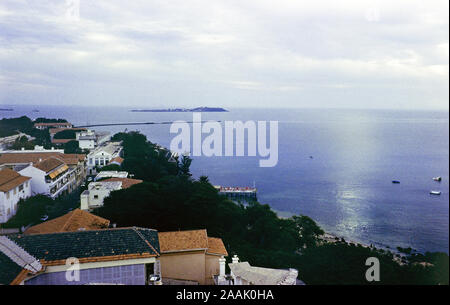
(357,54)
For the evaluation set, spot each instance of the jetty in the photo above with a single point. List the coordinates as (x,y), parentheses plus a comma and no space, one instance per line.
(237,192)
(133,123)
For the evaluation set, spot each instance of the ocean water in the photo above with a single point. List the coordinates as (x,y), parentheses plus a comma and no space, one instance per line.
(346,187)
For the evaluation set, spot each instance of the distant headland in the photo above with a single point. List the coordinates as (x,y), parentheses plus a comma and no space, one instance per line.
(198,109)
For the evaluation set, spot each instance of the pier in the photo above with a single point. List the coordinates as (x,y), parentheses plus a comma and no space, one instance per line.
(237,192)
(132,123)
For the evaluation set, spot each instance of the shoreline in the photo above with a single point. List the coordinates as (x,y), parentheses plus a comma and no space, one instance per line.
(333,238)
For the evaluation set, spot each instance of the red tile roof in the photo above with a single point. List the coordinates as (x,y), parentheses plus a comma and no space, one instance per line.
(190,240)
(72,221)
(216,246)
(49,164)
(22,158)
(10,179)
(126,182)
(117,159)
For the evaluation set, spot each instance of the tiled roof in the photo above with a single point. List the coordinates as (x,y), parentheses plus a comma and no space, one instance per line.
(10,179)
(49,164)
(8,269)
(216,246)
(190,240)
(126,182)
(52,124)
(72,221)
(183,240)
(21,158)
(117,159)
(62,141)
(56,130)
(263,276)
(14,260)
(90,246)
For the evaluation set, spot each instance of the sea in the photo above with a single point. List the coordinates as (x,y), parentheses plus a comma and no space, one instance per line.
(334,165)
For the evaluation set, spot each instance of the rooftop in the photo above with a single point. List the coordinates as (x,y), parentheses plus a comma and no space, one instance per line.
(110,148)
(54,247)
(49,164)
(22,158)
(105,185)
(190,240)
(53,124)
(72,221)
(10,179)
(263,276)
(111,174)
(126,182)
(117,159)
(88,246)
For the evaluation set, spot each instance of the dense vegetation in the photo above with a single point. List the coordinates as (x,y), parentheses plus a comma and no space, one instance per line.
(65,134)
(169,199)
(32,210)
(9,127)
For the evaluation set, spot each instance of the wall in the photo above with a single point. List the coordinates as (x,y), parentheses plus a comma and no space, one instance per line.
(184,266)
(11,203)
(127,275)
(212,268)
(38,185)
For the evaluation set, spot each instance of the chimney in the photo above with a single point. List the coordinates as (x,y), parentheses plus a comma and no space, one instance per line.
(222,261)
(235,259)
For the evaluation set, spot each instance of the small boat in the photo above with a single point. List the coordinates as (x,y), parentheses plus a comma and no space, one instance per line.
(395,181)
(437,179)
(435,192)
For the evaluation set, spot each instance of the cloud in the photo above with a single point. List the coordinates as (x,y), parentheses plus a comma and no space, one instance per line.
(226,53)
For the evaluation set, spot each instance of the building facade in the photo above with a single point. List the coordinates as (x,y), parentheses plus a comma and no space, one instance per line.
(95,194)
(102,155)
(190,257)
(125,256)
(13,187)
(50,177)
(22,159)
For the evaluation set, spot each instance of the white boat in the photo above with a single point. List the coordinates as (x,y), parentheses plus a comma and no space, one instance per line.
(437,178)
(435,192)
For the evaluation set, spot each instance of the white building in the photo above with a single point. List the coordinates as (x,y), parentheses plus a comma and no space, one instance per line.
(242,273)
(97,191)
(111,174)
(13,187)
(86,139)
(37,149)
(43,126)
(19,160)
(90,139)
(50,177)
(102,155)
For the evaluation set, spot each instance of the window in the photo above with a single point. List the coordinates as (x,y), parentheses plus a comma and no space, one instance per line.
(96,161)
(95,196)
(15,190)
(91,161)
(7,195)
(21,187)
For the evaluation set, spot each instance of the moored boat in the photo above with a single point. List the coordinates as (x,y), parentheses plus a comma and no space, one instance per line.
(435,192)
(437,179)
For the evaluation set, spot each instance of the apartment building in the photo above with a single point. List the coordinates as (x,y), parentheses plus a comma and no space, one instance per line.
(13,187)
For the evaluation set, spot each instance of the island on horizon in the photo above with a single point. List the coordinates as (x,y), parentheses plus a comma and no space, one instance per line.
(198,109)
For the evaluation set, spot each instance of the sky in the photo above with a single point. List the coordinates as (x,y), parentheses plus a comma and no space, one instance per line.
(284,53)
